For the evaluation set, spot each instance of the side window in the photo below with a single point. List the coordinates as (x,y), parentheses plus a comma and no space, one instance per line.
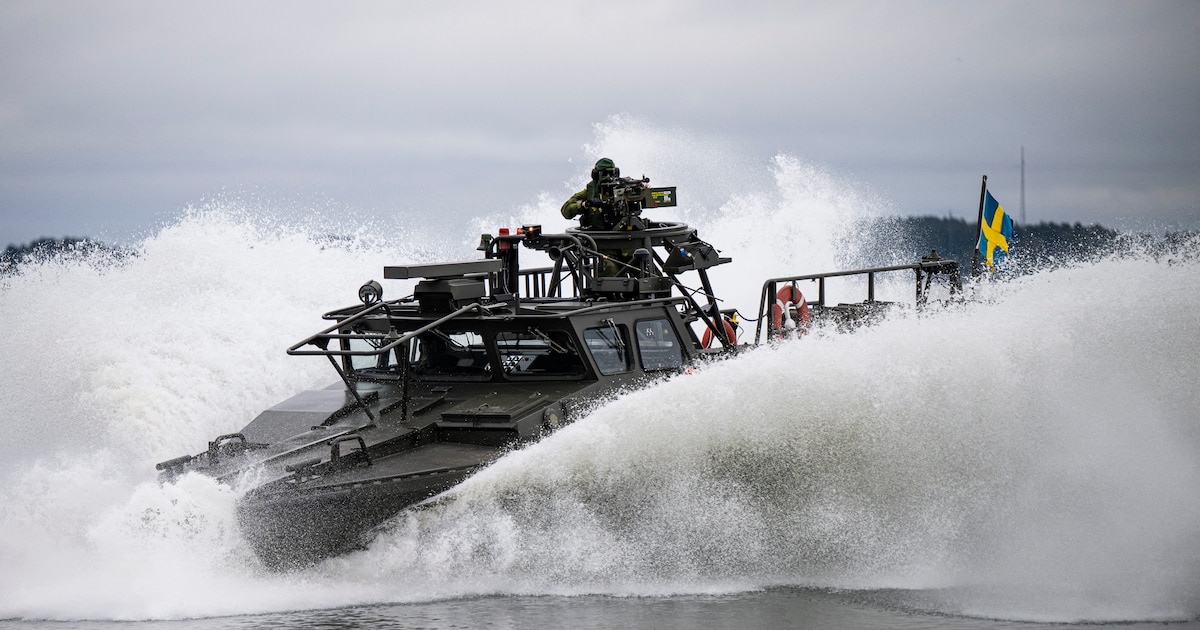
(657,344)
(372,362)
(438,354)
(608,347)
(535,352)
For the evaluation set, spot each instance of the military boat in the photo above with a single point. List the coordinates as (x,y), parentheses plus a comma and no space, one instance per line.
(484,356)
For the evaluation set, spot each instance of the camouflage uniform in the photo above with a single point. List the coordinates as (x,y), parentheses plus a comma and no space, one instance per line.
(591,217)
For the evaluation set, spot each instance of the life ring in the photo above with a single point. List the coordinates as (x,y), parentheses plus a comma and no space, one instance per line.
(730,334)
(781,318)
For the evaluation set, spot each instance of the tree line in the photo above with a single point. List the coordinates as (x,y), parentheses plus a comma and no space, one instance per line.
(1034,246)
(881,242)
(47,248)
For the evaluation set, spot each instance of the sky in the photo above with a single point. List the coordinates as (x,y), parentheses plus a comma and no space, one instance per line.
(116,116)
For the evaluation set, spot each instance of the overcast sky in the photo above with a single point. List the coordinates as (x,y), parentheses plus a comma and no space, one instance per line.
(116,115)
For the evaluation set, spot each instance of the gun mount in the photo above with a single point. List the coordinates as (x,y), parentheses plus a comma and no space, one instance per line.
(622,199)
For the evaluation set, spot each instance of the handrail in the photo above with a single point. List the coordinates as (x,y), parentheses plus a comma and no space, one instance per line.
(322,339)
(544,282)
(931,267)
(341,322)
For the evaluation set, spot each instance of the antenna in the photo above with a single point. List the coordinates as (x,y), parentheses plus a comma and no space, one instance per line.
(1022,184)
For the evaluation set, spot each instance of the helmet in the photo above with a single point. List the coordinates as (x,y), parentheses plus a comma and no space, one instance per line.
(605,168)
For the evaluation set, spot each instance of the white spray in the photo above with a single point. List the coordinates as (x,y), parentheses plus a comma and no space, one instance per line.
(1033,455)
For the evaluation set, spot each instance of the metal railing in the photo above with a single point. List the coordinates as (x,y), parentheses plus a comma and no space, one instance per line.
(924,270)
(546,282)
(381,343)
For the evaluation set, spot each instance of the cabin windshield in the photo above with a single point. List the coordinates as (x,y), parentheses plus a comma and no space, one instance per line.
(434,355)
(439,355)
(450,355)
(608,347)
(534,353)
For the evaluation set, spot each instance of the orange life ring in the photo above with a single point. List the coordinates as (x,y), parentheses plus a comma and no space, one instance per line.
(730,334)
(786,296)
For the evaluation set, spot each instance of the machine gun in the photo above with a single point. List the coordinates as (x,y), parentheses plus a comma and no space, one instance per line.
(622,199)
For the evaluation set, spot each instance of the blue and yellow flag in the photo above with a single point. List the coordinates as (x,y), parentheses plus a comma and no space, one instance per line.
(997,232)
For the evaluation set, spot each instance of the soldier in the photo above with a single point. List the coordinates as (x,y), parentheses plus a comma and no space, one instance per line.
(585,204)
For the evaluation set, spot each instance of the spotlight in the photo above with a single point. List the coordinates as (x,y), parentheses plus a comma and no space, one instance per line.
(370,292)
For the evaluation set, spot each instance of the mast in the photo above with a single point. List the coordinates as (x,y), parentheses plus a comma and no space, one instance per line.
(978,229)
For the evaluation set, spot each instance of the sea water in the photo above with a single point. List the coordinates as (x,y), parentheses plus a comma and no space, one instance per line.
(1032,454)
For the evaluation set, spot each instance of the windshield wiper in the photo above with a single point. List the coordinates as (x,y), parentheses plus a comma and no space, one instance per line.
(552,344)
(616,343)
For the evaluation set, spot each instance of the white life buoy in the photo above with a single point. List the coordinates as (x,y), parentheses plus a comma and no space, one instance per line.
(781,317)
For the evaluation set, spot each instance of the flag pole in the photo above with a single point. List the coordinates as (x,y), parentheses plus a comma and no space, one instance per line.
(978,229)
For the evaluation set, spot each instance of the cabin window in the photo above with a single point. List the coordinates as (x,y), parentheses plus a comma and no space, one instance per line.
(437,354)
(373,363)
(658,345)
(608,348)
(534,352)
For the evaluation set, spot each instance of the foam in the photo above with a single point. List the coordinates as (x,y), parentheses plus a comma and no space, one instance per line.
(1032,455)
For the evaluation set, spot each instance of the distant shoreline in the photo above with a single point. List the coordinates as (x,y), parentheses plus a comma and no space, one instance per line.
(880,241)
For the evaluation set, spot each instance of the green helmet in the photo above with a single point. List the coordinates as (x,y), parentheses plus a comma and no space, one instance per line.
(605,168)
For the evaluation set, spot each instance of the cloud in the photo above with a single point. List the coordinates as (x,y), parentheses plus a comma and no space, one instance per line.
(142,108)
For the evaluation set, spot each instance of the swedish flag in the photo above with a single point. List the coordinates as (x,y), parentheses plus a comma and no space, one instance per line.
(996,232)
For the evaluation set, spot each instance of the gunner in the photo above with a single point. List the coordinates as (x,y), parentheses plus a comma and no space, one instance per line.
(585,204)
